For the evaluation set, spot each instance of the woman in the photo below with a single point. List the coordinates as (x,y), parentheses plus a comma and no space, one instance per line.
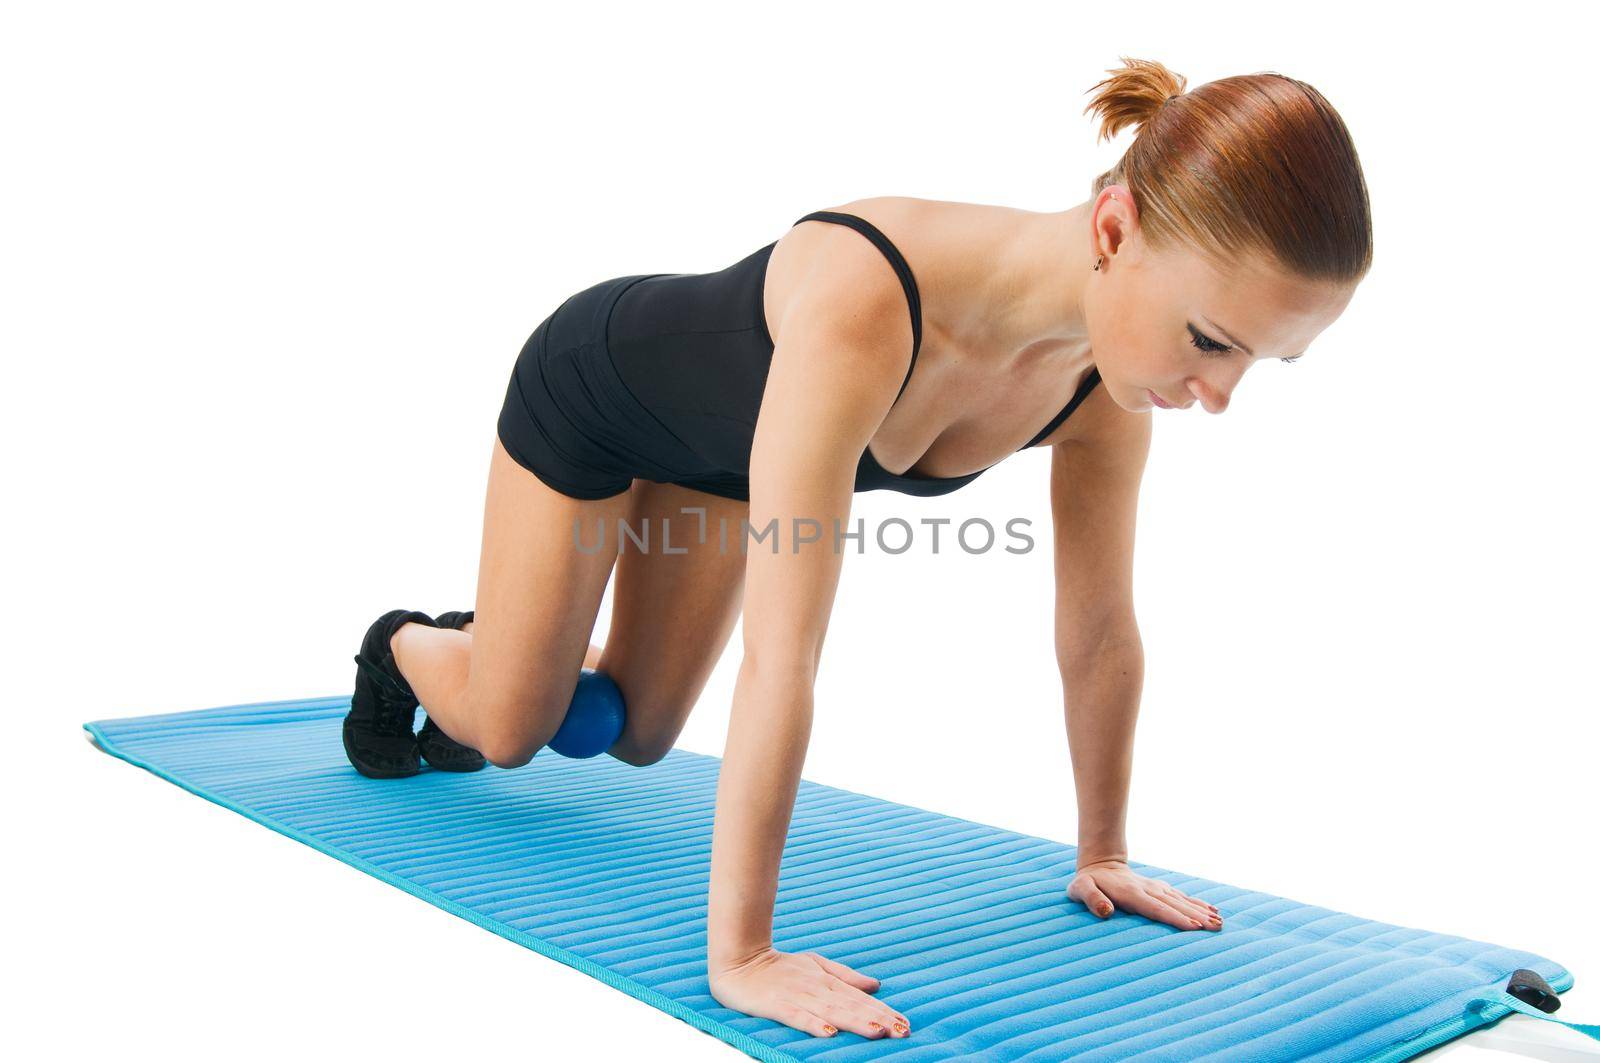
(1233,231)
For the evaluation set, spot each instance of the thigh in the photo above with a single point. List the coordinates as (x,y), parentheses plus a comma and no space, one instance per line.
(672,613)
(540,582)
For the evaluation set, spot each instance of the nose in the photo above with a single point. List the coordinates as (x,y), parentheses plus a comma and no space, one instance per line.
(1212,398)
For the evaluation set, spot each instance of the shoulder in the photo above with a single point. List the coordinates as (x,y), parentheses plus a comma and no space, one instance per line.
(828,276)
(832,247)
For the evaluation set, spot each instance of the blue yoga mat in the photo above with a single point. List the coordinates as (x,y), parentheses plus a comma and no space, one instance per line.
(604,867)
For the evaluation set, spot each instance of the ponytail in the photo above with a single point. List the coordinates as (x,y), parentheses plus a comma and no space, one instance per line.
(1254,164)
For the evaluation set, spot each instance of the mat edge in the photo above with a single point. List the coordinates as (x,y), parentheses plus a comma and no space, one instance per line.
(721,1031)
(1450,1029)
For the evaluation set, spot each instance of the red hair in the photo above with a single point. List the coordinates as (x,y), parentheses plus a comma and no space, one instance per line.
(1258,163)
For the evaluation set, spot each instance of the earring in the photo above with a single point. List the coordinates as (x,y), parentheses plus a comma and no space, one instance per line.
(1099,259)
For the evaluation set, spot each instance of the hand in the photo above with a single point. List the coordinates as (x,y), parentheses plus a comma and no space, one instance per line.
(808,992)
(1102,884)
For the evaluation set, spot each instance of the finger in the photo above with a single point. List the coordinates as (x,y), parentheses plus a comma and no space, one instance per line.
(851,1009)
(1210,917)
(1161,911)
(1207,905)
(842,983)
(1193,908)
(864,982)
(1085,891)
(804,1020)
(1172,893)
(867,1023)
(874,1009)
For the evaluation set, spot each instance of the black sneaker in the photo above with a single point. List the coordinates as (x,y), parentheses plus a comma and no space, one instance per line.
(437,748)
(383,709)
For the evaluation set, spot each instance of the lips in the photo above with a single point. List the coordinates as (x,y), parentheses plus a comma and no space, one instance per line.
(1158,400)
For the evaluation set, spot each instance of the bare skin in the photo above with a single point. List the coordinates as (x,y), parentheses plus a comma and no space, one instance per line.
(538,599)
(1013,316)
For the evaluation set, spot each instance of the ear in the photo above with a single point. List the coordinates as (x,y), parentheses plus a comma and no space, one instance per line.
(1113,220)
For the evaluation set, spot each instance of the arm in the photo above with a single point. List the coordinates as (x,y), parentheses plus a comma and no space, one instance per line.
(802,465)
(837,365)
(1094,496)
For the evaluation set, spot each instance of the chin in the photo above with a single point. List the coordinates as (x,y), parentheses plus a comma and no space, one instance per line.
(1141,401)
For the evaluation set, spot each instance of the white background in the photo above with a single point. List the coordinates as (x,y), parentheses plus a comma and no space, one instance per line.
(265,273)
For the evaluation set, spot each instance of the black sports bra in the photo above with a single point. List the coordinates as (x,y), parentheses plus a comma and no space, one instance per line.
(869,474)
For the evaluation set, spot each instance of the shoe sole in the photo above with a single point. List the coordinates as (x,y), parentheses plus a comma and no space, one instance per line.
(372,771)
(464,766)
(459,768)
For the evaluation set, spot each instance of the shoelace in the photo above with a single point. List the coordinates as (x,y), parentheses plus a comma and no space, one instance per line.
(396,689)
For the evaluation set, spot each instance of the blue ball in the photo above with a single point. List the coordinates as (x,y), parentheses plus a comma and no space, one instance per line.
(594,719)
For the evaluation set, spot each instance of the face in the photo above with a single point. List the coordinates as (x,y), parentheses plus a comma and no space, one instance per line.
(1172,327)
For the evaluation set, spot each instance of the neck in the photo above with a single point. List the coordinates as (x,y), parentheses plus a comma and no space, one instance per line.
(1048,267)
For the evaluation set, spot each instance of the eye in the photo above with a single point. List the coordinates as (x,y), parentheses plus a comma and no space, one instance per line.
(1290,361)
(1206,344)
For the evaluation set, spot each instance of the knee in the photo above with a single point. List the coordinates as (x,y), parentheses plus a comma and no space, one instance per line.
(509,751)
(641,755)
(644,746)
(590,722)
(510,738)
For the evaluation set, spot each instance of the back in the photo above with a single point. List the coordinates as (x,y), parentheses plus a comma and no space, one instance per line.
(693,348)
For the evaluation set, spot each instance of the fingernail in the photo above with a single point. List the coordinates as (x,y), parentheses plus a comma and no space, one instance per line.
(829,1030)
(1194,924)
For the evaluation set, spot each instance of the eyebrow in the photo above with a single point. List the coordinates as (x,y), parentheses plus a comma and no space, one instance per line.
(1237,343)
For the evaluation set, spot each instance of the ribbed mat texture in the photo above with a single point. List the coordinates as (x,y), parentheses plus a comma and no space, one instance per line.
(604,866)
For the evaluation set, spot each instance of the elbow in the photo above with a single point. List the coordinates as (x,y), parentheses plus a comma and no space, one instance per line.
(786,652)
(1084,644)
(779,688)
(786,666)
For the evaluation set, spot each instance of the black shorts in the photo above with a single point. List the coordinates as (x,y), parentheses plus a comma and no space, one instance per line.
(570,420)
